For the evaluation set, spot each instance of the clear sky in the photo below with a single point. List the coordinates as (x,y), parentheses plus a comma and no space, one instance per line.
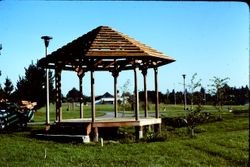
(207,38)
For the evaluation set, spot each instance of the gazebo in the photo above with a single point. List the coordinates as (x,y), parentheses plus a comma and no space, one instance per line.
(105,49)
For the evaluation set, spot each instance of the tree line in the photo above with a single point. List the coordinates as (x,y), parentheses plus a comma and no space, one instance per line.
(232,96)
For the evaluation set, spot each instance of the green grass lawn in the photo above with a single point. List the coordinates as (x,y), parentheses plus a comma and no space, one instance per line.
(222,143)
(73,111)
(70,111)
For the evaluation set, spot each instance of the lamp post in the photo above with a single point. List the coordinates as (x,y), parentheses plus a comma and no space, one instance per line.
(46,42)
(185,96)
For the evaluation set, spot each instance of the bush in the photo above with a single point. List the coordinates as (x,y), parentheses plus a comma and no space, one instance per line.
(176,122)
(200,118)
(237,112)
(126,137)
(155,137)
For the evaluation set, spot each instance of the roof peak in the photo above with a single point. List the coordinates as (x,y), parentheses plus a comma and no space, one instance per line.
(104,45)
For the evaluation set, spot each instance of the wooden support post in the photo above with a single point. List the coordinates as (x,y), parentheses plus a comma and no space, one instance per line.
(80,75)
(144,73)
(139,132)
(157,128)
(81,97)
(136,94)
(115,74)
(95,134)
(156,93)
(58,72)
(92,95)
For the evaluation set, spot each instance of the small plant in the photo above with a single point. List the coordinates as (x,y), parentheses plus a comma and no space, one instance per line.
(156,137)
(193,119)
(218,89)
(151,136)
(192,86)
(126,97)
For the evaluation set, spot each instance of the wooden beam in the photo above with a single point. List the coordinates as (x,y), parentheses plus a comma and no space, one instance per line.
(156,93)
(81,94)
(58,94)
(115,74)
(109,64)
(136,94)
(92,95)
(144,73)
(96,62)
(124,63)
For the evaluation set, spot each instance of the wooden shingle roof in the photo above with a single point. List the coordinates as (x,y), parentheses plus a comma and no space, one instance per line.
(103,49)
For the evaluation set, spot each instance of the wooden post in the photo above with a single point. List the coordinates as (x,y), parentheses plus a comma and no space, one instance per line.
(144,72)
(92,95)
(81,98)
(115,74)
(80,75)
(96,134)
(58,71)
(136,94)
(157,127)
(156,93)
(139,132)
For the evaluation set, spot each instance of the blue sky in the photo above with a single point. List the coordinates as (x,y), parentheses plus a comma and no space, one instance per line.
(207,38)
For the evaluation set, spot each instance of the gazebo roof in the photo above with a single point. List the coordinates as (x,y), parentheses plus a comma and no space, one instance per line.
(104,49)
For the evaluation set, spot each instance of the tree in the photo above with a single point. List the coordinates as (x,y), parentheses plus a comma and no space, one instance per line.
(1,94)
(31,87)
(242,95)
(203,94)
(172,97)
(217,88)
(126,96)
(73,95)
(192,86)
(8,89)
(166,97)
(1,90)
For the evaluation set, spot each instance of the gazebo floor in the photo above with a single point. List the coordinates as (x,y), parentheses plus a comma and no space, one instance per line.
(86,127)
(112,122)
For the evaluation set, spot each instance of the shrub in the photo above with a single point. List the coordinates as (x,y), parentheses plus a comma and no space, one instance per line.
(237,112)
(176,122)
(126,137)
(154,137)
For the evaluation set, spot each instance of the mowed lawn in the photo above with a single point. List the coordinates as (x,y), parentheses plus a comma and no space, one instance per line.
(222,143)
(70,111)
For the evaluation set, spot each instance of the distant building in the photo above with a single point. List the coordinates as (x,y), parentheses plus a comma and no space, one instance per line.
(106,98)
